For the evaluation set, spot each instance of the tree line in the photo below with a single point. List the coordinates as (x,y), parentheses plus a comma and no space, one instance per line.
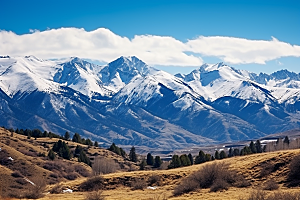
(36,133)
(254,147)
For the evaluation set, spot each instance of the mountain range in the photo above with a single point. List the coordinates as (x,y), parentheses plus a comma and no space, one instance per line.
(131,103)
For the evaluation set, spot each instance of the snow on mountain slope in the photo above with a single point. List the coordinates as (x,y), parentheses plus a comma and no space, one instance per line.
(143,91)
(20,74)
(219,80)
(26,74)
(120,72)
(282,78)
(81,76)
(130,103)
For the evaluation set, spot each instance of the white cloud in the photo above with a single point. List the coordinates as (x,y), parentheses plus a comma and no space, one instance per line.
(243,51)
(102,44)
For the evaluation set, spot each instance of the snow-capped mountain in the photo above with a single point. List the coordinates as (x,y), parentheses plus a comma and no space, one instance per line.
(131,103)
(120,72)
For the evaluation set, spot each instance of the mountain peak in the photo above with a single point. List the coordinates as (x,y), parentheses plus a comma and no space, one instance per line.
(211,67)
(75,59)
(33,58)
(129,60)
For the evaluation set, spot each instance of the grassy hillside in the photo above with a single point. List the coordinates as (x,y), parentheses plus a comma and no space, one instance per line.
(257,169)
(23,160)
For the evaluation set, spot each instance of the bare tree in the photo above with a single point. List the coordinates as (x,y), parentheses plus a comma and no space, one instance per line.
(104,166)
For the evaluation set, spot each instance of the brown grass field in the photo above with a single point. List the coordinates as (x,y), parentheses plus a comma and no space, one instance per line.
(256,168)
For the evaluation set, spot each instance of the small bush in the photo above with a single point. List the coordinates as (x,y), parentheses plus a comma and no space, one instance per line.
(21,181)
(55,165)
(33,195)
(154,180)
(271,185)
(37,190)
(294,174)
(216,176)
(138,184)
(284,196)
(92,184)
(257,195)
(82,170)
(96,195)
(54,175)
(267,168)
(242,182)
(71,176)
(187,185)
(17,174)
(159,197)
(261,195)
(57,189)
(219,185)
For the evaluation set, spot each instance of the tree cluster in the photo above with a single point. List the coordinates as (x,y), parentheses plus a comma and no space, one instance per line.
(36,133)
(155,162)
(62,149)
(181,161)
(78,139)
(114,148)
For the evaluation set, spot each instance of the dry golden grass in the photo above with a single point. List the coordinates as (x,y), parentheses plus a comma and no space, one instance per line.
(250,166)
(257,168)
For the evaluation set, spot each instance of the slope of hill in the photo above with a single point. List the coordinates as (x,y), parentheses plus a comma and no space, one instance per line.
(253,167)
(24,162)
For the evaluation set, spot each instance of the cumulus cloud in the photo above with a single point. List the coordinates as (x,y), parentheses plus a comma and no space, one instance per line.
(104,45)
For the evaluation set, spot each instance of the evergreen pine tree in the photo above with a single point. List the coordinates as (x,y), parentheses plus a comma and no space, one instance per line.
(114,148)
(230,153)
(66,154)
(123,153)
(67,136)
(76,138)
(45,134)
(252,147)
(62,149)
(258,146)
(150,160)
(88,142)
(200,158)
(78,149)
(185,161)
(223,155)
(96,144)
(157,162)
(132,155)
(83,158)
(143,164)
(51,154)
(207,157)
(217,155)
(236,152)
(175,163)
(247,150)
(242,152)
(191,158)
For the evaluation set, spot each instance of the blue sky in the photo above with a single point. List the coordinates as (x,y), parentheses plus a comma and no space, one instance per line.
(180,21)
